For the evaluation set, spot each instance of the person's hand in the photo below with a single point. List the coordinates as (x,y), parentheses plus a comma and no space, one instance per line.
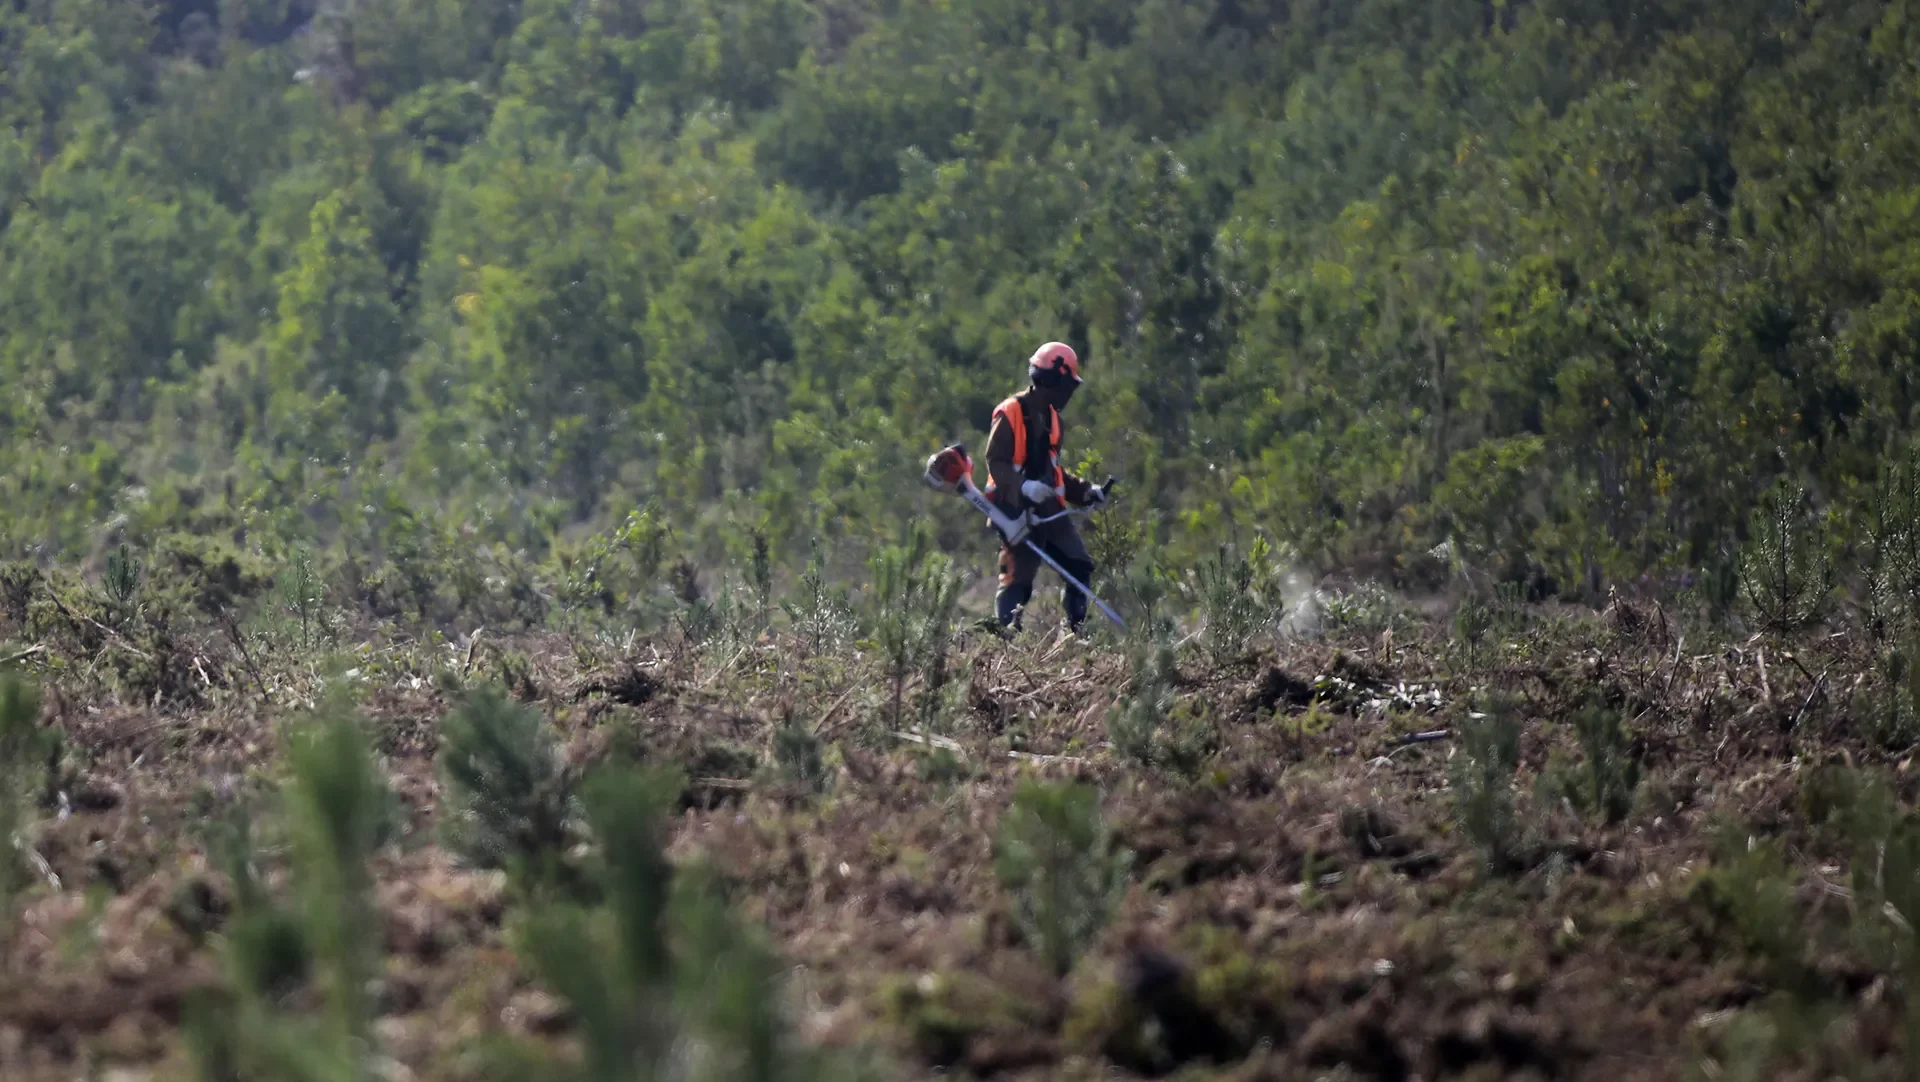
(1097,496)
(1038,492)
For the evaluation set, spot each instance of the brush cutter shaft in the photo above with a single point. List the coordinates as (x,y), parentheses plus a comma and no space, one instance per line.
(1077,584)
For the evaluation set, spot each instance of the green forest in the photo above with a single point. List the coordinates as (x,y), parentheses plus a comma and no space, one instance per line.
(1570,285)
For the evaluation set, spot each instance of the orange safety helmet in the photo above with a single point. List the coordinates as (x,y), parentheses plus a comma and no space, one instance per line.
(1056,358)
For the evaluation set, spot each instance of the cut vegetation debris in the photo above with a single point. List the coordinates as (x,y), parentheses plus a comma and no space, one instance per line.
(1115,859)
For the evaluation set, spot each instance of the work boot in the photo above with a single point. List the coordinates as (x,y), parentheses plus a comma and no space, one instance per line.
(1011,603)
(1075,604)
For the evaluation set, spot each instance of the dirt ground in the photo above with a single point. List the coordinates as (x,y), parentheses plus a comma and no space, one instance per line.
(1302,903)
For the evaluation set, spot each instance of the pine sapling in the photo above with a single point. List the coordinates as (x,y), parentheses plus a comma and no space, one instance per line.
(1062,873)
(1133,722)
(819,612)
(1612,774)
(507,798)
(1482,781)
(1785,574)
(121,581)
(29,755)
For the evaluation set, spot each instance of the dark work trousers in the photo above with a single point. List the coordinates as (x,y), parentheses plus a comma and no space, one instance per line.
(1019,564)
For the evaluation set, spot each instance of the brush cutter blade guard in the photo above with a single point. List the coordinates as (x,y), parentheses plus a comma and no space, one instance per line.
(948,469)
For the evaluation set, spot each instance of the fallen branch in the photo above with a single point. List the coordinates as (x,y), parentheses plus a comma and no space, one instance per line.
(1030,757)
(473,643)
(40,864)
(1811,695)
(240,643)
(1423,738)
(825,727)
(1674,667)
(941,742)
(31,651)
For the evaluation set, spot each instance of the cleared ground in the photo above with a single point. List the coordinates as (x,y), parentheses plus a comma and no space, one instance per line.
(1302,899)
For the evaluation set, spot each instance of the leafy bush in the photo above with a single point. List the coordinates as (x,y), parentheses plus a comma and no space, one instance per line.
(1481,781)
(1060,869)
(616,569)
(1367,609)
(1145,586)
(507,799)
(760,578)
(300,594)
(1472,621)
(1750,889)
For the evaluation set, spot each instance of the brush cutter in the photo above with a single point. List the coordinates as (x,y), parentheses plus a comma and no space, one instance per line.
(951,470)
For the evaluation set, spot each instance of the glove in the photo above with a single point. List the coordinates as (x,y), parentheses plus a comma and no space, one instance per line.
(1038,492)
(1022,526)
(1097,496)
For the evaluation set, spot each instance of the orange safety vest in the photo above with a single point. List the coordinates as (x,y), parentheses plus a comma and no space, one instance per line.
(1017,419)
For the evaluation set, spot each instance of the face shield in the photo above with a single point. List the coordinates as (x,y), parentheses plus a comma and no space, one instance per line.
(1056,385)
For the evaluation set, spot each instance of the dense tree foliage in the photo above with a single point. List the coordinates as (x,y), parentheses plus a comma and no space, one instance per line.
(1570,283)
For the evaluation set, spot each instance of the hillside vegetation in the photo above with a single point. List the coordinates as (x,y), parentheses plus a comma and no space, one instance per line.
(1568,283)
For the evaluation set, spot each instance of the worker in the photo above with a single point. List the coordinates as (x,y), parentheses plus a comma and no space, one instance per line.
(1025,479)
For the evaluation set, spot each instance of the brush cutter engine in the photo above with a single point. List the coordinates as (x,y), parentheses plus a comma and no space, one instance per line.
(948,468)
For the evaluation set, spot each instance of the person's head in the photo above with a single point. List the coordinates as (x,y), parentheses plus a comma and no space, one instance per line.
(1054,370)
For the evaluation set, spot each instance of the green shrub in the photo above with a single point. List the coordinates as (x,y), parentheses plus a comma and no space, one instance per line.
(121,582)
(1133,722)
(1062,874)
(1750,889)
(1472,622)
(664,982)
(506,797)
(797,756)
(29,760)
(1145,586)
(1368,609)
(819,611)
(1785,574)
(915,591)
(300,595)
(1893,561)
(1232,590)
(760,578)
(1606,784)
(1481,781)
(337,812)
(1890,707)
